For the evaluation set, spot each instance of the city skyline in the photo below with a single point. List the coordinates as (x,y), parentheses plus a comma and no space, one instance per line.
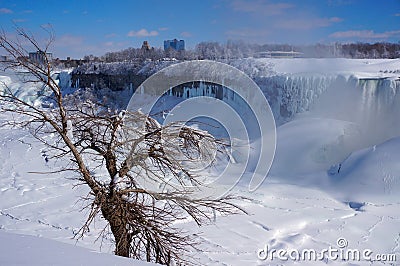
(97,27)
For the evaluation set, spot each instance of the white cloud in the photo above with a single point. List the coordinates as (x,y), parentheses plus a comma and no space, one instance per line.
(68,41)
(5,11)
(163,29)
(305,24)
(114,45)
(108,44)
(142,33)
(18,20)
(364,34)
(397,15)
(246,33)
(260,6)
(186,34)
(111,35)
(339,2)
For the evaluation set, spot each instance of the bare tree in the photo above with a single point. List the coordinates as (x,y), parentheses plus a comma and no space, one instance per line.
(110,151)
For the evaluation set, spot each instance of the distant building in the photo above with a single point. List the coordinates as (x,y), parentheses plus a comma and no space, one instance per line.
(174,44)
(40,57)
(146,46)
(69,62)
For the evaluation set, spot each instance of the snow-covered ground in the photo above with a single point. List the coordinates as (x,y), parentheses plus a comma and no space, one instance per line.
(334,185)
(376,68)
(18,249)
(358,67)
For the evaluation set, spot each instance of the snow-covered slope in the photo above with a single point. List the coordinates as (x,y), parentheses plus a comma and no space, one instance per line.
(369,173)
(17,249)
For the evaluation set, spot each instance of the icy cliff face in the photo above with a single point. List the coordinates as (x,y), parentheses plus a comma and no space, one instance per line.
(64,79)
(18,83)
(348,98)
(380,107)
(292,94)
(287,95)
(337,96)
(379,94)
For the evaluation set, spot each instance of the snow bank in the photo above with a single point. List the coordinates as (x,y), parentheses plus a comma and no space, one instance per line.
(370,173)
(36,251)
(310,145)
(325,154)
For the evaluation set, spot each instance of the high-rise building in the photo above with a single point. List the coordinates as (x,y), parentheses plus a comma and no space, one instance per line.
(174,44)
(40,57)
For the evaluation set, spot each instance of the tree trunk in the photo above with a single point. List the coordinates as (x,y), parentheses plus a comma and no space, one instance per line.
(115,214)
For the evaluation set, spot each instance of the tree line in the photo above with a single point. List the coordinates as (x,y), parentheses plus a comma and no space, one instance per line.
(240,49)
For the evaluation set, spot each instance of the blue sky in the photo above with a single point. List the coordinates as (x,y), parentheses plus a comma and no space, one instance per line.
(95,27)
